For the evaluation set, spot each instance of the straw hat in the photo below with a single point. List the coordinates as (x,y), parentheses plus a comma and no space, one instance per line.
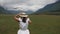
(23,15)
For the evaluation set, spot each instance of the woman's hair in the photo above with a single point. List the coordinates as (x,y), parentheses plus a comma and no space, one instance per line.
(24,19)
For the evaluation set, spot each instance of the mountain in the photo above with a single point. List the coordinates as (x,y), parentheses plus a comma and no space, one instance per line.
(2,10)
(18,11)
(5,11)
(29,12)
(50,8)
(12,12)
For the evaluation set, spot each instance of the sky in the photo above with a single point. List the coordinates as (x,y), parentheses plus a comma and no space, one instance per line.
(25,5)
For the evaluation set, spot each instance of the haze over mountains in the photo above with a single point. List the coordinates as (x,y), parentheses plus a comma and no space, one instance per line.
(5,11)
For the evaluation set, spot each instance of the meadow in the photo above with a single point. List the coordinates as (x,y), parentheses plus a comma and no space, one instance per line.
(41,24)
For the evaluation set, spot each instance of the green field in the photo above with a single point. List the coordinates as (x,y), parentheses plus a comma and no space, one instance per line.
(41,24)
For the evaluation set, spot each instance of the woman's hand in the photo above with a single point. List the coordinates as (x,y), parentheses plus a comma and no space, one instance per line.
(16,17)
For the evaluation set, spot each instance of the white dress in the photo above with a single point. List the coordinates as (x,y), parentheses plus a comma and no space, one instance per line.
(23,27)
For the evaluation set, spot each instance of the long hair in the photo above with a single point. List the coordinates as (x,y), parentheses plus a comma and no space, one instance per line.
(24,19)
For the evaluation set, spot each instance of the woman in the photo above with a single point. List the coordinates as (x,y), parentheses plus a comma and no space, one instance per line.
(23,23)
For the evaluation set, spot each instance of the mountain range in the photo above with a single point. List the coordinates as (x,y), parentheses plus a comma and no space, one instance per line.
(5,11)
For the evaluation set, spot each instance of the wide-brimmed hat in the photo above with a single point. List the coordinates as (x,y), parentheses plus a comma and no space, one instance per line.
(23,15)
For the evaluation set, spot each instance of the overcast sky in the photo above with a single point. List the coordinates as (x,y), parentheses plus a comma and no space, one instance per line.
(25,4)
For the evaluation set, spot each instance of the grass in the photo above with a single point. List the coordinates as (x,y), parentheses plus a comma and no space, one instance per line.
(41,24)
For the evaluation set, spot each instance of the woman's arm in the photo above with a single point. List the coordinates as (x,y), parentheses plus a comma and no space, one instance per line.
(16,17)
(29,21)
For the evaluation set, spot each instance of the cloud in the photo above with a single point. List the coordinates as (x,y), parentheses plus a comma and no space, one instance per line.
(25,4)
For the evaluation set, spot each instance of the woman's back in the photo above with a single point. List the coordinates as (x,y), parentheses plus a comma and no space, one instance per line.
(23,25)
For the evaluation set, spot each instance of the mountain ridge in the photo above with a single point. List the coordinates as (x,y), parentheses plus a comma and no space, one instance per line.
(50,7)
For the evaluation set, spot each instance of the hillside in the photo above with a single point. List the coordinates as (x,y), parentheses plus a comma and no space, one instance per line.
(2,10)
(51,8)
